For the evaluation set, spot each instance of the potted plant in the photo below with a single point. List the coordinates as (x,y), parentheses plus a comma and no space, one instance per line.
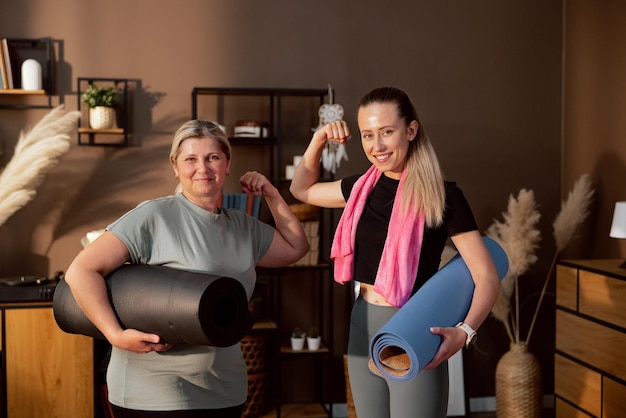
(313,338)
(101,102)
(297,339)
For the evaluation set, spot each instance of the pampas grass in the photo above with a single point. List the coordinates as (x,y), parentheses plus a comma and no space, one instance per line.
(36,152)
(520,238)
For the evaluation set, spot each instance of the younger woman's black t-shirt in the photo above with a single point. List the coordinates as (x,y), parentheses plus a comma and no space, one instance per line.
(372,228)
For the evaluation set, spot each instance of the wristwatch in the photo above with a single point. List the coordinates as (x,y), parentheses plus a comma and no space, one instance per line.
(471,334)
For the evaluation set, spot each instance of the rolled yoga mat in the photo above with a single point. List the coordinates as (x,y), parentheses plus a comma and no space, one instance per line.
(404,345)
(178,305)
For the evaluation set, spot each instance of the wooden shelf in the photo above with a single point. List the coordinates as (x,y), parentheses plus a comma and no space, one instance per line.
(21,49)
(20,92)
(288,350)
(112,131)
(122,127)
(264,325)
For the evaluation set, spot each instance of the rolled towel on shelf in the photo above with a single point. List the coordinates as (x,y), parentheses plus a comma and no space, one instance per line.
(404,345)
(182,307)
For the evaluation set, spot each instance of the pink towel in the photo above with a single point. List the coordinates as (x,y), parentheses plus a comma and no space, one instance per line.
(398,265)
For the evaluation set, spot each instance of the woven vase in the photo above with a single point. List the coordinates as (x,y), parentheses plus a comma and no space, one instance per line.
(101,117)
(518,384)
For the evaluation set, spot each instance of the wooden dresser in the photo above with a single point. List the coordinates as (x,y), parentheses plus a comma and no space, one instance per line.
(45,373)
(590,357)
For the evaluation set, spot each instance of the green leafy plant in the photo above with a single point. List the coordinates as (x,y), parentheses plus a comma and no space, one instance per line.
(297,333)
(313,332)
(100,96)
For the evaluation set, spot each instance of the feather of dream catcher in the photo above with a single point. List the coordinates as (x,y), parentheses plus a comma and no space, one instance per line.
(333,152)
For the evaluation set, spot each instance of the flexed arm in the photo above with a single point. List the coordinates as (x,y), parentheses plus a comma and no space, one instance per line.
(290,243)
(305,185)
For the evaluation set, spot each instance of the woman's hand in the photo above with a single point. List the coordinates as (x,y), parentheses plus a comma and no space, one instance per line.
(452,340)
(257,184)
(138,342)
(337,131)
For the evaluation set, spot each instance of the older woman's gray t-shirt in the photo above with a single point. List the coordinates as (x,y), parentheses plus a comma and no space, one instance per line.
(173,232)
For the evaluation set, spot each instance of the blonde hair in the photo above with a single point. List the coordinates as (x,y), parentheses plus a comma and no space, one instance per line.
(197,128)
(424,187)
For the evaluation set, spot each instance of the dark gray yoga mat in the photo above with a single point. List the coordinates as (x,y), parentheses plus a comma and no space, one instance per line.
(178,305)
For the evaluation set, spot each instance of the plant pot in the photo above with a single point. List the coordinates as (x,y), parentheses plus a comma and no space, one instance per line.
(297,344)
(518,384)
(101,117)
(313,343)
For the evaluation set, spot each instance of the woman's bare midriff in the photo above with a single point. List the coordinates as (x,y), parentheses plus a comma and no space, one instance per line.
(371,296)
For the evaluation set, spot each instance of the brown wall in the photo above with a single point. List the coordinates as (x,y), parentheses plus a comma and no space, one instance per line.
(485,77)
(594,106)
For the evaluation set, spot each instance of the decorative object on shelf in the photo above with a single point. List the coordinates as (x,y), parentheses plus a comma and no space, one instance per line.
(618,226)
(290,169)
(313,338)
(114,95)
(90,237)
(101,102)
(297,339)
(308,215)
(333,153)
(31,75)
(304,211)
(519,237)
(36,152)
(7,69)
(251,129)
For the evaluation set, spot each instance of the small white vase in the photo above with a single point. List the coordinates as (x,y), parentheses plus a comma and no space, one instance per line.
(101,117)
(31,75)
(313,343)
(297,344)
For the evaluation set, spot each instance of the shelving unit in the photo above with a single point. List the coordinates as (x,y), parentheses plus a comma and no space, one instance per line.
(21,49)
(299,295)
(119,135)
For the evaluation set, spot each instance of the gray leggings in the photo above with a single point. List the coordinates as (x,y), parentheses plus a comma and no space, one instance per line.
(426,396)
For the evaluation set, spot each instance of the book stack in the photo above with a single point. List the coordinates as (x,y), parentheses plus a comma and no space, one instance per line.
(311,258)
(6,67)
(243,202)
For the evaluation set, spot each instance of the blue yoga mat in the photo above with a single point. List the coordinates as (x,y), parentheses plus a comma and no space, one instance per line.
(442,301)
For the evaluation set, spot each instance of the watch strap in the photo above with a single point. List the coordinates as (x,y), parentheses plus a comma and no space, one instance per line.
(471,333)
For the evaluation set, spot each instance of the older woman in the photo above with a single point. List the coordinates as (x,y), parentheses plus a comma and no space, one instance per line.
(148,377)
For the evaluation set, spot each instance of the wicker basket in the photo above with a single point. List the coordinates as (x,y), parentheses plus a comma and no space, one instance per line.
(304,211)
(257,403)
(256,352)
(518,384)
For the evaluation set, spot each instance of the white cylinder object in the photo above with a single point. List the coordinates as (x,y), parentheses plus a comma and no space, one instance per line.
(289,171)
(618,226)
(31,75)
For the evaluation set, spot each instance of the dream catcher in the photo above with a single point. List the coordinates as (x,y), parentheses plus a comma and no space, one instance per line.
(333,152)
